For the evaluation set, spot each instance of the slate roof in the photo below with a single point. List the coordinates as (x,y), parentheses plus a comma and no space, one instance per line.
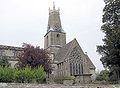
(63,51)
(89,62)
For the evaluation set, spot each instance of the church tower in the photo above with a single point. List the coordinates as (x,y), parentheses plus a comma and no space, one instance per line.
(55,37)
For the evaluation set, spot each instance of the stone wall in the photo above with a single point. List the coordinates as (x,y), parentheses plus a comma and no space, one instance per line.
(21,85)
(11,53)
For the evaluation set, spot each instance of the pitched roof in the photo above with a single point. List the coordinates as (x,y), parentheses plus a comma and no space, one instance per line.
(89,62)
(63,51)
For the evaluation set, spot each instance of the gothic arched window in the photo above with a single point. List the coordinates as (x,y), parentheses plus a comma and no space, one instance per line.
(75,59)
(75,56)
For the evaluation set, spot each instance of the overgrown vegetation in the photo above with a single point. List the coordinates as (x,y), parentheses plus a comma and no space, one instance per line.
(26,75)
(60,79)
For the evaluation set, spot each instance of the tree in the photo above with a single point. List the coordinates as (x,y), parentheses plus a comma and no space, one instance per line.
(110,50)
(34,57)
(4,61)
(103,76)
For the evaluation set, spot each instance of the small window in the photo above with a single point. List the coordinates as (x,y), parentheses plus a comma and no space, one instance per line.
(58,35)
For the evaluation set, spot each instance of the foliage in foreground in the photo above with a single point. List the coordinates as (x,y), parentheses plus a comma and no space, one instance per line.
(40,74)
(34,57)
(26,75)
(6,74)
(60,79)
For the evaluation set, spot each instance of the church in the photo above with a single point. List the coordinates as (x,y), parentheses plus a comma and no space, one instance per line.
(67,58)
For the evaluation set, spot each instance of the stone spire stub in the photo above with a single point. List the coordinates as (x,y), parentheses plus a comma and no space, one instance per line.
(54,22)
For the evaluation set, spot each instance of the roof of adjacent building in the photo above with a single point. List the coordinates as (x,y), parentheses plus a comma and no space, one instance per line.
(10,47)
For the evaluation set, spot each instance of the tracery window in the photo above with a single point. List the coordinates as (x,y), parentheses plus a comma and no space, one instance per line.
(76,64)
(75,56)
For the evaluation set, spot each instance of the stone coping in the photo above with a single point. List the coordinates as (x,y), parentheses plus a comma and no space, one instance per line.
(11,47)
(33,85)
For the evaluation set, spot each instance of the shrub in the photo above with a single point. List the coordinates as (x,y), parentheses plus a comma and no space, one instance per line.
(7,74)
(24,75)
(60,79)
(40,74)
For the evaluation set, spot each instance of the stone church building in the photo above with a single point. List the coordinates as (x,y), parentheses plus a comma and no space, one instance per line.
(68,59)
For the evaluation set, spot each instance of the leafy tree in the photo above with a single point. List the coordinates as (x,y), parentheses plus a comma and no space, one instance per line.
(34,57)
(110,50)
(106,75)
(103,75)
(4,61)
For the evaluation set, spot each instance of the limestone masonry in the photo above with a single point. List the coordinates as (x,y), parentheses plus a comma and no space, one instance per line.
(68,59)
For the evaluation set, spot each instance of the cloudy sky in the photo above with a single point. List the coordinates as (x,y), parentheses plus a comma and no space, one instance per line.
(26,21)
